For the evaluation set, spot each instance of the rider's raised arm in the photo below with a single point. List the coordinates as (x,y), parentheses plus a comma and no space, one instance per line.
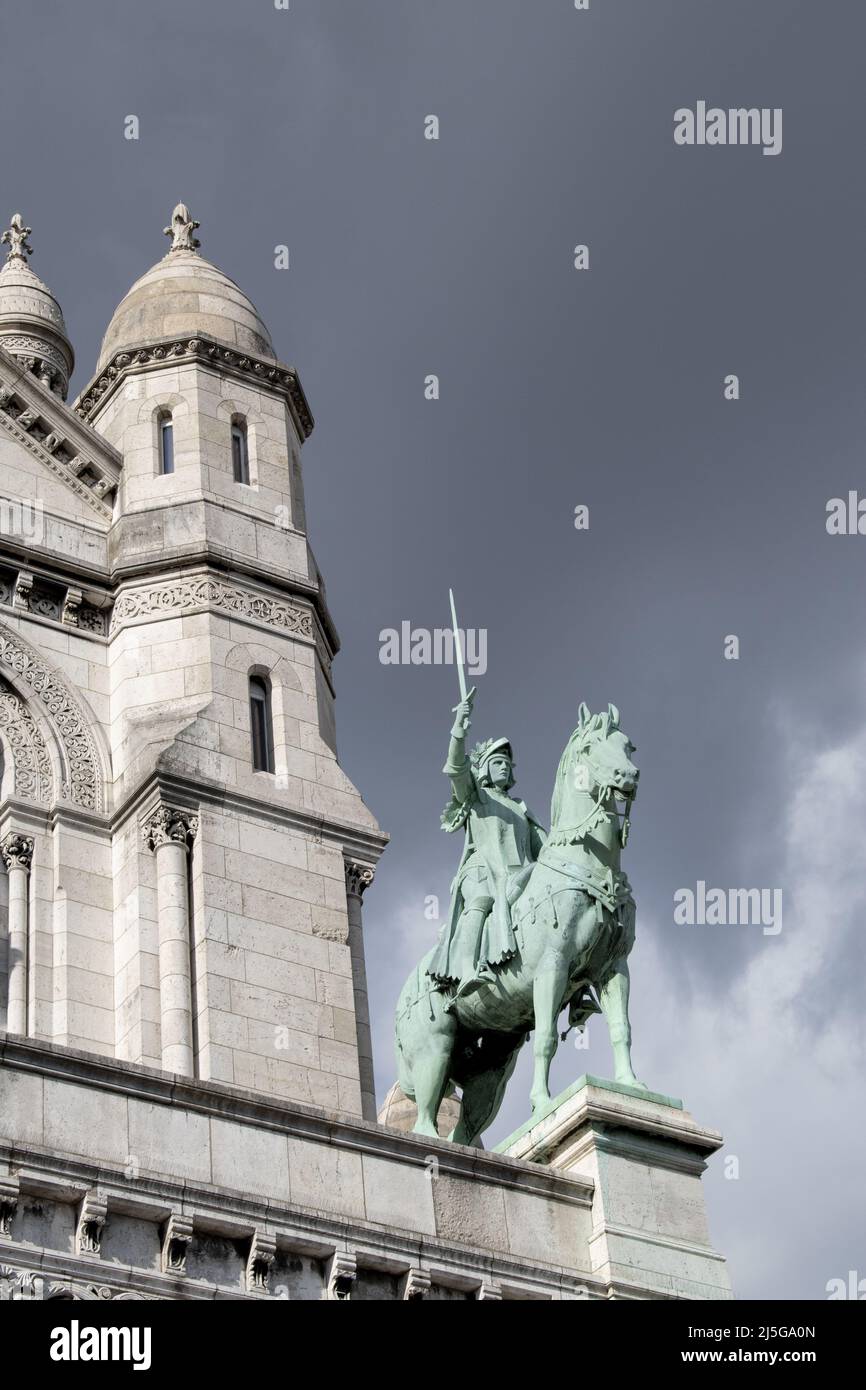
(457,765)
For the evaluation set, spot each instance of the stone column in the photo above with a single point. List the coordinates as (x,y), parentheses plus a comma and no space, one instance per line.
(17,851)
(169,833)
(644,1155)
(358,878)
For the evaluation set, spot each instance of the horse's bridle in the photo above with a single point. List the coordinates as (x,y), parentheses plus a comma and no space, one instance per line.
(604,791)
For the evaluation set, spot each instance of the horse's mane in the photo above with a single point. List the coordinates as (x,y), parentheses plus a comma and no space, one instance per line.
(561,774)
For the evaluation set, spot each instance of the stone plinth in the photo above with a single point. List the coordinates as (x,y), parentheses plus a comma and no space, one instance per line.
(644,1155)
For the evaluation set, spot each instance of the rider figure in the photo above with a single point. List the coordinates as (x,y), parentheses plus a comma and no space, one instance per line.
(502,842)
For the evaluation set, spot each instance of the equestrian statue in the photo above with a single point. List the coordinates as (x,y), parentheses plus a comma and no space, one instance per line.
(538,921)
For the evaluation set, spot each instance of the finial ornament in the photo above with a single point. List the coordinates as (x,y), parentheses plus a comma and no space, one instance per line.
(181,230)
(16,239)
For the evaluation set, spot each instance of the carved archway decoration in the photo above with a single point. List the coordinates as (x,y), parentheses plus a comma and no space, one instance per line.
(83,780)
(31,761)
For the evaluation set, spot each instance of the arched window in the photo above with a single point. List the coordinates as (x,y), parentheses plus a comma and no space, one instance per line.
(240,452)
(261,724)
(165,429)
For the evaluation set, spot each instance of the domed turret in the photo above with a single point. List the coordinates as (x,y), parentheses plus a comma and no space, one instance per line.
(31,320)
(184,296)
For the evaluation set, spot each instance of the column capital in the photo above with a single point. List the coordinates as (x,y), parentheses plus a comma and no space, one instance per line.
(168,825)
(358,877)
(17,850)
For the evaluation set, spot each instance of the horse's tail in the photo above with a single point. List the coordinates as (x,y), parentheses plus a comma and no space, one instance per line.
(404,1071)
(418,987)
(408,997)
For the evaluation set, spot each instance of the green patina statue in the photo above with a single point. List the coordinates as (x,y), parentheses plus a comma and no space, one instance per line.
(501,844)
(536,922)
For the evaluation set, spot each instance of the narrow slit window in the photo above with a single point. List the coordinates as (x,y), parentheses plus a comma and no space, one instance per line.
(261,725)
(166,445)
(240,453)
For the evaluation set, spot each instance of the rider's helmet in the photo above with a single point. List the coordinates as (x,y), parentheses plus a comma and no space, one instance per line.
(480,757)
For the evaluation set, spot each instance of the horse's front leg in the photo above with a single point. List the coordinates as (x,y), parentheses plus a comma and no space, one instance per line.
(548,988)
(614,1001)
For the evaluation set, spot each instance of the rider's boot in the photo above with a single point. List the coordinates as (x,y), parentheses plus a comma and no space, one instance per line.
(473,973)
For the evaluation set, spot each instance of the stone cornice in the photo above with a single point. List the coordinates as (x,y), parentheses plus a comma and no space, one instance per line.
(355,841)
(207,352)
(631,1124)
(679,1244)
(230,568)
(219,1100)
(35,593)
(65,445)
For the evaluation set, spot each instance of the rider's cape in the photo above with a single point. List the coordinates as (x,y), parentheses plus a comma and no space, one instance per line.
(504,836)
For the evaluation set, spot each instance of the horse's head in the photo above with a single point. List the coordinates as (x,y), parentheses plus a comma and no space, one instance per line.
(597,758)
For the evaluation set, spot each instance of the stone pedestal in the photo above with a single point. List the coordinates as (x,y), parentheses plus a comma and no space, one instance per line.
(645,1155)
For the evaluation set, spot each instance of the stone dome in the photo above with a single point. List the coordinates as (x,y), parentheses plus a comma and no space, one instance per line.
(184,296)
(31,320)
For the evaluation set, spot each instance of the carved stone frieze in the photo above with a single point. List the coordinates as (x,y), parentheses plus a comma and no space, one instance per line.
(18,1285)
(31,762)
(177,595)
(20,344)
(49,599)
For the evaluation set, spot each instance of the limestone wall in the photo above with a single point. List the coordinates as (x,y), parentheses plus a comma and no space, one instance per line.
(126,1179)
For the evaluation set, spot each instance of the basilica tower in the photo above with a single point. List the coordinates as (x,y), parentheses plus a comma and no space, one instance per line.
(204,915)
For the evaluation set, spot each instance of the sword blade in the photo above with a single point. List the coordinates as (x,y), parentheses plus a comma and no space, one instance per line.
(458,647)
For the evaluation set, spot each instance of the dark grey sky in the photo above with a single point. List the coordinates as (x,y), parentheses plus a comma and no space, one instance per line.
(557,388)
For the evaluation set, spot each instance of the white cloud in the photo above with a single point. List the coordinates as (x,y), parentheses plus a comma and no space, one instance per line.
(775,1059)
